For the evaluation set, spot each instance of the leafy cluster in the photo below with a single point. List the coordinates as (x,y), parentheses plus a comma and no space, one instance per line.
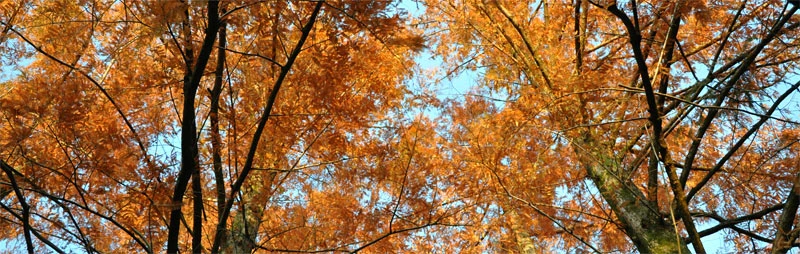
(313,126)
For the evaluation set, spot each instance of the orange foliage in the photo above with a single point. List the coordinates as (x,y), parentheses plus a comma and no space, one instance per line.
(593,126)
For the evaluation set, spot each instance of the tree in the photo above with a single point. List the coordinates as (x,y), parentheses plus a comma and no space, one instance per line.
(310,126)
(675,111)
(122,118)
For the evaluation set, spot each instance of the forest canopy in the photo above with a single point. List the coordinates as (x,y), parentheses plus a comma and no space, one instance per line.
(415,126)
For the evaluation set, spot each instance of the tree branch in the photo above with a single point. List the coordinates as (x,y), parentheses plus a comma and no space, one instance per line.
(189,150)
(26,213)
(753,129)
(732,81)
(248,165)
(658,145)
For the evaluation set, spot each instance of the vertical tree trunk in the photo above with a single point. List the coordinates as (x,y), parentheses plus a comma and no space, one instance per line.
(216,138)
(642,222)
(189,149)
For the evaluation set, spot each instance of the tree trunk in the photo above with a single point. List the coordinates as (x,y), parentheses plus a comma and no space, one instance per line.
(641,222)
(786,235)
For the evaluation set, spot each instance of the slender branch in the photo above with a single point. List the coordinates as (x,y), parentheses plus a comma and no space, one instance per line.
(527,42)
(136,236)
(753,129)
(732,81)
(731,224)
(578,40)
(26,213)
(248,165)
(540,212)
(393,232)
(728,33)
(697,105)
(97,84)
(249,54)
(727,223)
(658,144)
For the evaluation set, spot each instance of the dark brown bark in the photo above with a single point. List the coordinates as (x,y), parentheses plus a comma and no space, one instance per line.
(197,212)
(189,149)
(577,30)
(248,165)
(25,208)
(786,234)
(712,112)
(654,118)
(216,138)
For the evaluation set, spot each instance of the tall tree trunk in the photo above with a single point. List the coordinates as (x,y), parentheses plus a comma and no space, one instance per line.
(216,137)
(189,149)
(642,222)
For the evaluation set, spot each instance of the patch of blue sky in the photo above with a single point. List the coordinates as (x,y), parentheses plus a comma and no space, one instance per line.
(447,83)
(13,69)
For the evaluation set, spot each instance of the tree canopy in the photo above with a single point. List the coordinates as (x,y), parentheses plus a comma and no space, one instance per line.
(249,126)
